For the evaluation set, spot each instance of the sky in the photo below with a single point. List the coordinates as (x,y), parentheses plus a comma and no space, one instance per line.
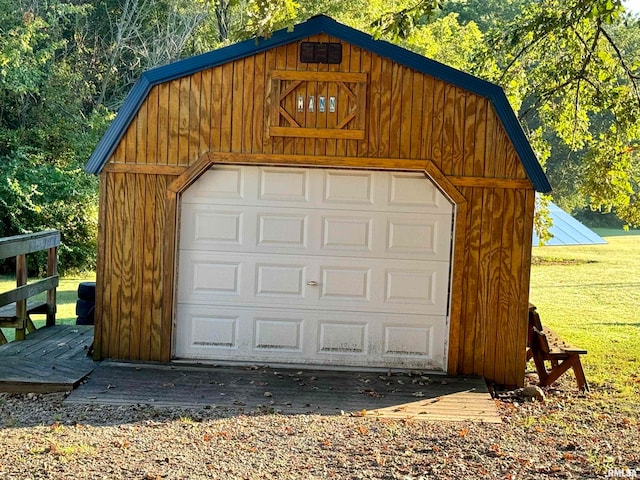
(632,5)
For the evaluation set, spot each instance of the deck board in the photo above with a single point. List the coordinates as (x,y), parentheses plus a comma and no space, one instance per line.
(50,359)
(400,395)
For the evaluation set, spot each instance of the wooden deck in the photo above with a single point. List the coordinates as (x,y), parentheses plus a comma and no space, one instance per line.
(427,397)
(51,359)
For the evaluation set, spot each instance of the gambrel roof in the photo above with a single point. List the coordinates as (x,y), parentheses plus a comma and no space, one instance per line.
(317,25)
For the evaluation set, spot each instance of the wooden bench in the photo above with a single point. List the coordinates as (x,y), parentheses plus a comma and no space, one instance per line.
(17,305)
(544,345)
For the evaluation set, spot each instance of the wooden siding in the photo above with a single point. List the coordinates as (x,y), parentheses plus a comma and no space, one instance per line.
(411,117)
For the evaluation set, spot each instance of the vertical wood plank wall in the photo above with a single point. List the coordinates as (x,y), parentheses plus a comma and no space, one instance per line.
(409,115)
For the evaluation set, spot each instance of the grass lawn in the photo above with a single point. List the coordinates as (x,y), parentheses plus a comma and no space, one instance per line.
(590,296)
(67,295)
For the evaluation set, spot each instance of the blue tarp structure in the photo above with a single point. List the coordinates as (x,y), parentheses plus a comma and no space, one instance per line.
(566,230)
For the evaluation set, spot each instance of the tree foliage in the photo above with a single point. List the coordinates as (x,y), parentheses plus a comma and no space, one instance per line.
(572,67)
(45,133)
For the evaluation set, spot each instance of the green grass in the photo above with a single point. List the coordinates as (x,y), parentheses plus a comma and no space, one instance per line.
(67,294)
(590,296)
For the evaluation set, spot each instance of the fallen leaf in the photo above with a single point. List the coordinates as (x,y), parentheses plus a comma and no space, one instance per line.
(121,443)
(361,413)
(53,449)
(372,393)
(463,432)
(495,448)
(363,430)
(207,437)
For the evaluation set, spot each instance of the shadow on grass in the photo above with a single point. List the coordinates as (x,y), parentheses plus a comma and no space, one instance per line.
(618,324)
(615,232)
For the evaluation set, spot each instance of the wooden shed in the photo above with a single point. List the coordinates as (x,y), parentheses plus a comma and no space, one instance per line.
(316,198)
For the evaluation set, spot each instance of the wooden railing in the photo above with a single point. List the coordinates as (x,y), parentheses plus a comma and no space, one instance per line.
(15,307)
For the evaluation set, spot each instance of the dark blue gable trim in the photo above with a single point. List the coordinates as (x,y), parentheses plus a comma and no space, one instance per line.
(313,26)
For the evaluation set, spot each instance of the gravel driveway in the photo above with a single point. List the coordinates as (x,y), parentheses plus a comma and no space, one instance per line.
(43,438)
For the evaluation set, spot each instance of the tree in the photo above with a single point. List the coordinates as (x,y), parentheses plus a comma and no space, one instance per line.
(446,40)
(573,69)
(46,131)
(128,37)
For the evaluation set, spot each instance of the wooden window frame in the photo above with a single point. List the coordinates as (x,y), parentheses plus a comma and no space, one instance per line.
(356,116)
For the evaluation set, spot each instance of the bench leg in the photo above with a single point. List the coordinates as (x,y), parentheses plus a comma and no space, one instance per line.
(580,377)
(540,368)
(572,362)
(555,372)
(3,339)
(30,326)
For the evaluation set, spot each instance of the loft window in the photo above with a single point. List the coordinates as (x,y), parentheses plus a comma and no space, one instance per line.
(320,52)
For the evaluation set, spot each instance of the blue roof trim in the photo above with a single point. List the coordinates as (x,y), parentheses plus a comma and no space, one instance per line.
(315,25)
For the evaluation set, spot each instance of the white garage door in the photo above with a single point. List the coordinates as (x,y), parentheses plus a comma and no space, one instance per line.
(314,266)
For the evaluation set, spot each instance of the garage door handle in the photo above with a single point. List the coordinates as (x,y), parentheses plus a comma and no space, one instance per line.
(312,284)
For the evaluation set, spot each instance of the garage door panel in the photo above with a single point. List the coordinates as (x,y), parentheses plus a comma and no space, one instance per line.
(213,277)
(331,189)
(347,233)
(411,190)
(336,233)
(226,184)
(216,277)
(345,283)
(414,286)
(280,280)
(402,340)
(424,237)
(278,334)
(316,282)
(218,227)
(284,185)
(208,330)
(342,338)
(278,230)
(215,227)
(304,337)
(348,188)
